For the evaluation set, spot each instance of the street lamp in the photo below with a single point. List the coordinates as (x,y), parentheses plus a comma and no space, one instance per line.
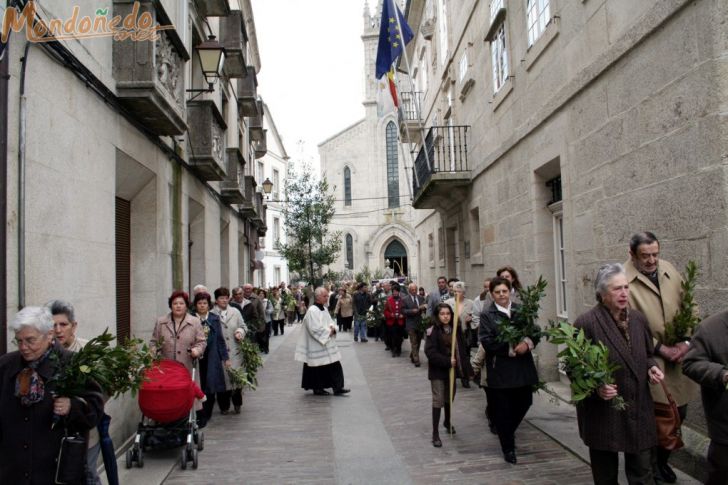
(212,57)
(267,186)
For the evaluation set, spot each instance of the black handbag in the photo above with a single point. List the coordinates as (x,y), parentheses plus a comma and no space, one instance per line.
(71,461)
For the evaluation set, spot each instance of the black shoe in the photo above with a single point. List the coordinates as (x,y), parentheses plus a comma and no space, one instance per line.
(339,392)
(321,392)
(436,442)
(510,457)
(492,429)
(386,348)
(237,409)
(665,474)
(364,341)
(356,339)
(417,364)
(447,427)
(225,413)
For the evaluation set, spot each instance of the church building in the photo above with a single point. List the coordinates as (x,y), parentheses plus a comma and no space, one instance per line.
(370,174)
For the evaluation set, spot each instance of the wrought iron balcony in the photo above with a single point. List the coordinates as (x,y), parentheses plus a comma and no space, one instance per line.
(410,117)
(207,140)
(248,93)
(150,75)
(441,166)
(232,188)
(234,39)
(258,220)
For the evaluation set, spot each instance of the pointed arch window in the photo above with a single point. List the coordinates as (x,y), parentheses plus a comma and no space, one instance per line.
(350,251)
(392,165)
(347,186)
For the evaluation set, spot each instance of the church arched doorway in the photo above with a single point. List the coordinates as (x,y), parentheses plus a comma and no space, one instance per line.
(396,255)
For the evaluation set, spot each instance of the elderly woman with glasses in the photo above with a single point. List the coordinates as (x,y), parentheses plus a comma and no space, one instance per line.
(604,429)
(29,443)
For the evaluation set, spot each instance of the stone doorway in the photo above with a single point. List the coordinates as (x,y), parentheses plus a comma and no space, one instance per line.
(396,255)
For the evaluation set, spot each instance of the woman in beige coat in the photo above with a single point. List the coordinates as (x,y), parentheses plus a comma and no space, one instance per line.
(178,335)
(345,309)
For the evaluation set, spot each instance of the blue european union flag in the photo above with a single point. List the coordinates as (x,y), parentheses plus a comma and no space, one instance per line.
(391,40)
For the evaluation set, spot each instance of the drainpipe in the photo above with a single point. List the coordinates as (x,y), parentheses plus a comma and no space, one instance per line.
(21,181)
(4,81)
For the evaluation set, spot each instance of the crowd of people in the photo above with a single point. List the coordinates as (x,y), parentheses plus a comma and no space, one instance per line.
(633,304)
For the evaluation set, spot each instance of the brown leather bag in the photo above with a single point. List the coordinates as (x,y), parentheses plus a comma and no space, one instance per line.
(667,419)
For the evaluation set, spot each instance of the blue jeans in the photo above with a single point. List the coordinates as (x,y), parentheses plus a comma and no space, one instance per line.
(360,327)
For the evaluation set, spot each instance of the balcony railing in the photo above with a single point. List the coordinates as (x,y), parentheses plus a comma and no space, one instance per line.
(410,107)
(447,150)
(255,123)
(248,207)
(248,93)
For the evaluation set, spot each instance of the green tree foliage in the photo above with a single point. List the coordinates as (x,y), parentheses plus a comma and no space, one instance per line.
(523,323)
(686,318)
(308,210)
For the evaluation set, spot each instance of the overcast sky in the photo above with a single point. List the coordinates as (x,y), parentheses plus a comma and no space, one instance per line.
(311,72)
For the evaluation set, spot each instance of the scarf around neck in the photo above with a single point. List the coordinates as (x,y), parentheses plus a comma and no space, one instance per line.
(29,387)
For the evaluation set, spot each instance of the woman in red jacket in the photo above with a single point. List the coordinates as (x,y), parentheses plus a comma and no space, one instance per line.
(394,318)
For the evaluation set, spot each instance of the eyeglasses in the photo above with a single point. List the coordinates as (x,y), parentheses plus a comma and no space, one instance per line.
(28,342)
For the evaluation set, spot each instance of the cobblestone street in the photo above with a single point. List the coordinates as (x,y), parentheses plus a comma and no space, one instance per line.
(380,433)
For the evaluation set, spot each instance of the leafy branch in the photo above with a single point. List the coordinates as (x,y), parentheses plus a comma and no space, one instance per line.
(686,319)
(116,369)
(586,363)
(247,376)
(522,324)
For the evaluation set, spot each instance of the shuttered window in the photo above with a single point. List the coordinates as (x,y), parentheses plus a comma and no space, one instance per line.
(123,269)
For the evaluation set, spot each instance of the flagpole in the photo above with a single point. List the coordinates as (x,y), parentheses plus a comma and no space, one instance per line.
(412,92)
(452,356)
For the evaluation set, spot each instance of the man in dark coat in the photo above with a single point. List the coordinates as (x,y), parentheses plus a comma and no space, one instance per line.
(254,316)
(707,364)
(362,302)
(413,306)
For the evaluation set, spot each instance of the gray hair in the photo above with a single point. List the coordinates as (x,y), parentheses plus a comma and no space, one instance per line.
(62,307)
(39,318)
(319,291)
(604,276)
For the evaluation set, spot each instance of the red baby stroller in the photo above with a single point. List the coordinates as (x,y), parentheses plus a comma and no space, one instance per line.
(167,400)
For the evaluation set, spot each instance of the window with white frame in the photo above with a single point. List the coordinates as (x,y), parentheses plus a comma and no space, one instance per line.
(276,185)
(559,260)
(260,173)
(276,232)
(277,275)
(422,71)
(442,30)
(499,55)
(538,16)
(463,66)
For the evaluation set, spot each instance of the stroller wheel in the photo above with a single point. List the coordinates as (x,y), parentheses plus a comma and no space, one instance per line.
(129,458)
(140,457)
(194,459)
(183,464)
(200,441)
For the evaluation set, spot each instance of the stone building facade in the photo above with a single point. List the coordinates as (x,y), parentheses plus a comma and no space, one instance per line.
(556,129)
(121,184)
(274,167)
(368,170)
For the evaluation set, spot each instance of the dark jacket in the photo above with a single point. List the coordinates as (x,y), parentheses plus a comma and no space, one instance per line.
(254,314)
(706,363)
(212,369)
(438,355)
(600,425)
(28,445)
(411,309)
(362,302)
(504,371)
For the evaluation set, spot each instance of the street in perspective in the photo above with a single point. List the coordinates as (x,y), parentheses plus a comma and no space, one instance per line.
(364,242)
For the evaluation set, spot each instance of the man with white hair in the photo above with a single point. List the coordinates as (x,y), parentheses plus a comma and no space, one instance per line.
(317,349)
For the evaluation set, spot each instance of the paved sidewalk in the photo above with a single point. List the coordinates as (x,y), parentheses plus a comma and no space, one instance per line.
(380,433)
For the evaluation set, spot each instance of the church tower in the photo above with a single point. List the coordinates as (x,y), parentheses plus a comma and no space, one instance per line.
(370,39)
